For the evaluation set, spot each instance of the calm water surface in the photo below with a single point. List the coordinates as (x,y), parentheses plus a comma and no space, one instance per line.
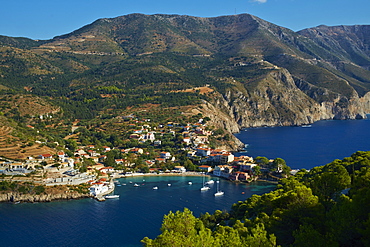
(139,210)
(116,222)
(303,147)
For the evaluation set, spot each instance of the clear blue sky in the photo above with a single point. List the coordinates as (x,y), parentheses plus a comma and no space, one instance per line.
(41,19)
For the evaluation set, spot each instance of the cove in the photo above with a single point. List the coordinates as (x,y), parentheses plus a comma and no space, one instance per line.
(117,222)
(308,146)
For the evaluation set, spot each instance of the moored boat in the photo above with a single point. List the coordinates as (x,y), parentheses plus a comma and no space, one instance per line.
(218,192)
(205,188)
(111,196)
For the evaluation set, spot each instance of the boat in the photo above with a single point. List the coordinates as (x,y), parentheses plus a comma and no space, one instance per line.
(111,196)
(204,188)
(136,185)
(155,188)
(218,193)
(168,184)
(190,183)
(210,182)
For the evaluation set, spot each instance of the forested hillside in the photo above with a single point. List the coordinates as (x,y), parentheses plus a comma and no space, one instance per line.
(256,73)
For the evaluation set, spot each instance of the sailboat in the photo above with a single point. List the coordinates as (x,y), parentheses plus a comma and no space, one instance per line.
(218,193)
(204,188)
(210,182)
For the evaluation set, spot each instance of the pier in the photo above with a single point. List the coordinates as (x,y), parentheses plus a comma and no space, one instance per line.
(100,196)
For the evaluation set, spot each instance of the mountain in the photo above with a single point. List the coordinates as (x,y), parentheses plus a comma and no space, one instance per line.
(254,73)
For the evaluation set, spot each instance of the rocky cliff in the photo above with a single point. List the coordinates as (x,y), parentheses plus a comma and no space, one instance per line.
(19,197)
(281,100)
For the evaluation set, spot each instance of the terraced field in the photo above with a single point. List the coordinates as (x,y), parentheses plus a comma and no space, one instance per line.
(11,147)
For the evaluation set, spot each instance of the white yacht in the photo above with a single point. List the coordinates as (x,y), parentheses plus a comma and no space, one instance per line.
(218,192)
(111,196)
(210,182)
(205,188)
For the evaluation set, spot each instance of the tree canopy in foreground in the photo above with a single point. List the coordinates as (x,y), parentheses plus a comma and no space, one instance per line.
(326,206)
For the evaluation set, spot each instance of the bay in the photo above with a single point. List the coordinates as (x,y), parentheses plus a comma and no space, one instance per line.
(139,211)
(309,146)
(117,222)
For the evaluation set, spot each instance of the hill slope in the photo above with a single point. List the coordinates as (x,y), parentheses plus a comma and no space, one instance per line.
(258,73)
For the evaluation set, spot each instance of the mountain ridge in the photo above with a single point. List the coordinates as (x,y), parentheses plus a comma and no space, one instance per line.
(262,74)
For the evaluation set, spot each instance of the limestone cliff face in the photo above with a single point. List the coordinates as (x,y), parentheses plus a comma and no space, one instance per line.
(281,100)
(365,102)
(221,119)
(18,197)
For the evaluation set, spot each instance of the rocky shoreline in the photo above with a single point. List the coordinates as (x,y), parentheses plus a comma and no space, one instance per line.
(15,197)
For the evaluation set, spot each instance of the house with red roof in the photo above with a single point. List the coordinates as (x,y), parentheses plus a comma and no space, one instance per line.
(45,156)
(165,155)
(205,168)
(61,155)
(106,169)
(203,151)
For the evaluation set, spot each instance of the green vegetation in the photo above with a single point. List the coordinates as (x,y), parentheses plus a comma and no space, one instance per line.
(183,229)
(326,206)
(23,188)
(80,188)
(137,60)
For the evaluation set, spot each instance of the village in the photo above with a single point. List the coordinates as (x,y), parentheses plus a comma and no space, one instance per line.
(98,165)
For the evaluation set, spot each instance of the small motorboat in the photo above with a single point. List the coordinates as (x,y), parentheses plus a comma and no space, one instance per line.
(111,196)
(205,188)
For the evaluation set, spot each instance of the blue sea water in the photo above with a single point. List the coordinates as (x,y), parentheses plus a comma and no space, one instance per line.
(307,147)
(116,222)
(139,210)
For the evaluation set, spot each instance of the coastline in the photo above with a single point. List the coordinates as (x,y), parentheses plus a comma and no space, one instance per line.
(16,197)
(184,174)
